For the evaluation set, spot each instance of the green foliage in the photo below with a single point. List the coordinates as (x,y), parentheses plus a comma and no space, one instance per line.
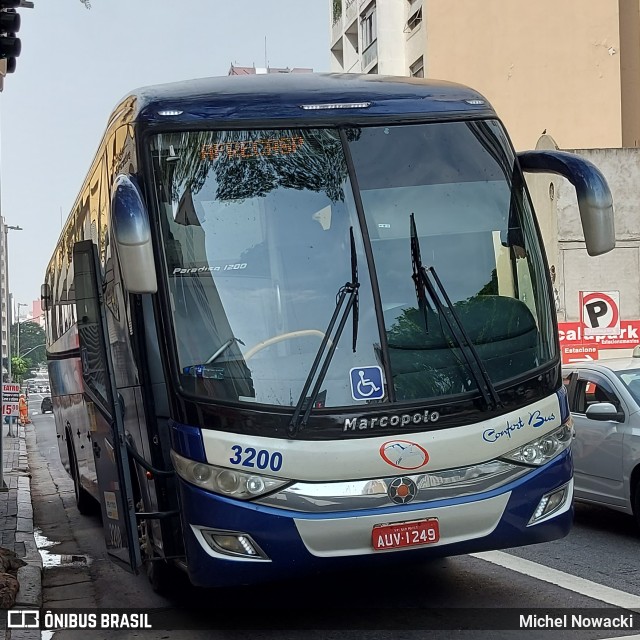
(19,367)
(31,342)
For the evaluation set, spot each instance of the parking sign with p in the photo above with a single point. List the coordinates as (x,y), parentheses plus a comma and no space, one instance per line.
(600,313)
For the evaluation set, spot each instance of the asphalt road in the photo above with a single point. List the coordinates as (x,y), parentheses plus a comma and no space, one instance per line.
(594,567)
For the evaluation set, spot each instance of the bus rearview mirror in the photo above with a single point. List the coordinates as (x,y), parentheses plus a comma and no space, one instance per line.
(594,196)
(132,234)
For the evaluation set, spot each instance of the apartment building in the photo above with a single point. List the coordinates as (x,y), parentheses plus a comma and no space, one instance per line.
(378,36)
(5,302)
(569,68)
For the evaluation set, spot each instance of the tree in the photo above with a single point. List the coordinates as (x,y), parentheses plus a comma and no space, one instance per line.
(31,341)
(19,367)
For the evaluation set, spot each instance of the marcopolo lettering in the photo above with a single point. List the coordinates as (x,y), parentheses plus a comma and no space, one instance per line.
(395,420)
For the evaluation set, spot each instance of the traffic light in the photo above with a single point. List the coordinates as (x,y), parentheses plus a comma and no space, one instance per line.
(9,26)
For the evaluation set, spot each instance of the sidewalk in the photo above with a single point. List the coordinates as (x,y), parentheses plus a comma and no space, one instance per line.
(16,524)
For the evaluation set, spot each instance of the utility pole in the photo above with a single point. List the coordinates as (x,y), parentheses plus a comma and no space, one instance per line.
(20,304)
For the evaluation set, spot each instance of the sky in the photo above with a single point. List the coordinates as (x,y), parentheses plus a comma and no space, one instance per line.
(77,63)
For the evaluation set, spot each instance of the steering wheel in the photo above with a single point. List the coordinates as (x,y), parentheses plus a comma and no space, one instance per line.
(301,333)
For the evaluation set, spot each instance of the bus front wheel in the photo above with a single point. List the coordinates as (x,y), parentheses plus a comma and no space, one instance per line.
(160,573)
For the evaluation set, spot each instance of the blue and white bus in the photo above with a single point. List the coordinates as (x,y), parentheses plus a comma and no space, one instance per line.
(304,322)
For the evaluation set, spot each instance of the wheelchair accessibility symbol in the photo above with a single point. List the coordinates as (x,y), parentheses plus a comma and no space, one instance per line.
(366,383)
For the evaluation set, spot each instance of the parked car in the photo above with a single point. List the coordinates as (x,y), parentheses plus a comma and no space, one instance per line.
(604,398)
(46,405)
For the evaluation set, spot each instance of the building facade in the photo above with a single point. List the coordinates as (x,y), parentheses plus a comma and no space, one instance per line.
(5,305)
(559,75)
(567,68)
(378,36)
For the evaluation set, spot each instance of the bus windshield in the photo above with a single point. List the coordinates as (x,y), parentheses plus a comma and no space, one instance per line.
(255,231)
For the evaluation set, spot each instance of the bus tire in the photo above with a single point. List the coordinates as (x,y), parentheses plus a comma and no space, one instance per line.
(161,575)
(159,572)
(84,501)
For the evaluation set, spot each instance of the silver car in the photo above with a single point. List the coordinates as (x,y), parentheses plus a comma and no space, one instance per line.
(604,397)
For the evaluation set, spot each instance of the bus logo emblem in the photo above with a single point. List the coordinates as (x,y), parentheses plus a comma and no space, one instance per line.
(366,383)
(404,454)
(402,490)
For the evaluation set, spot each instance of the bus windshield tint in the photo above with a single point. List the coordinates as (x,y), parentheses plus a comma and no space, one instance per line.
(256,226)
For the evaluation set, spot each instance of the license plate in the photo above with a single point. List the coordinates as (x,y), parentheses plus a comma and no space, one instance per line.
(405,534)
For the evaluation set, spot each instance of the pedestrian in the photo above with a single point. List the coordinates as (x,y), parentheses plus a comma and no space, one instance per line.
(24,410)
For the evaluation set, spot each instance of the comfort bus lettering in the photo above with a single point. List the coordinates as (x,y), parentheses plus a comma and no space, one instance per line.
(491,435)
(536,419)
(398,420)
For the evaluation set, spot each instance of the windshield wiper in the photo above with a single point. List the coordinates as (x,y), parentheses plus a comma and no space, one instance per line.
(348,293)
(422,277)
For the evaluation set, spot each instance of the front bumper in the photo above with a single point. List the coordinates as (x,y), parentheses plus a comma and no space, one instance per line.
(297,543)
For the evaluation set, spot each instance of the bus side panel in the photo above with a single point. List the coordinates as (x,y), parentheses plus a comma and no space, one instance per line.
(73,419)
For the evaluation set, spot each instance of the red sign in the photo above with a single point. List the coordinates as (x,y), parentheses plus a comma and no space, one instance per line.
(599,312)
(405,534)
(579,353)
(10,399)
(572,333)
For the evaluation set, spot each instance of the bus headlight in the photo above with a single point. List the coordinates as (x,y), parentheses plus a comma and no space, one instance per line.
(542,449)
(227,482)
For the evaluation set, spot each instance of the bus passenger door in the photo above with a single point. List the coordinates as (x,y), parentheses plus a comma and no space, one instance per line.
(107,429)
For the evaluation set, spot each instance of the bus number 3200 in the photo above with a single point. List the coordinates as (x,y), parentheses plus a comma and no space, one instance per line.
(249,457)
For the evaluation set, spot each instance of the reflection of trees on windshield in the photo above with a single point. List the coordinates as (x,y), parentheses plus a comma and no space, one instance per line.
(317,164)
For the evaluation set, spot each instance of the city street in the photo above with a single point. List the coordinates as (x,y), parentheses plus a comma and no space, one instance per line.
(601,551)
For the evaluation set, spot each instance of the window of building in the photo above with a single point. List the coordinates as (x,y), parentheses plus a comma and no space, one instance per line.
(414,19)
(416,70)
(368,29)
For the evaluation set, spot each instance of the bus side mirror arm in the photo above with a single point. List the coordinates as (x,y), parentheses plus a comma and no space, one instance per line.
(594,196)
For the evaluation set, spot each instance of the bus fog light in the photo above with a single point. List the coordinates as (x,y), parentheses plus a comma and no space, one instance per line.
(550,503)
(233,543)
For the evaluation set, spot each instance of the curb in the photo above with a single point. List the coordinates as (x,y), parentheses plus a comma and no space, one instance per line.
(29,595)
(29,576)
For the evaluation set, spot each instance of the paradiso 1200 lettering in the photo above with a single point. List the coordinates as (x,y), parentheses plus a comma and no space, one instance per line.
(395,420)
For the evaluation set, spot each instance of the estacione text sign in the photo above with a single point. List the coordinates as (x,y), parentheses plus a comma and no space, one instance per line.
(573,333)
